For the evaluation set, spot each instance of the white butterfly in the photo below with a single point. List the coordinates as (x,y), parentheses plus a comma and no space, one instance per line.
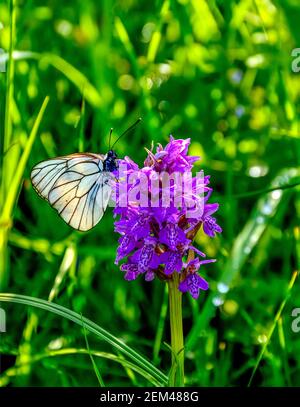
(78,186)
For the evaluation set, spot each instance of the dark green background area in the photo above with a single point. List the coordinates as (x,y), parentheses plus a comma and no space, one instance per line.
(219,72)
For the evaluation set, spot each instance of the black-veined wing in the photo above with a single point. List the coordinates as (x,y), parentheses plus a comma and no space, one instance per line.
(76,186)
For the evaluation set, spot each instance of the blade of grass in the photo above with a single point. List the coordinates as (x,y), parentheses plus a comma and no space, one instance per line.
(81,126)
(81,82)
(129,371)
(4,379)
(11,196)
(274,324)
(91,327)
(149,117)
(156,36)
(9,96)
(243,245)
(75,76)
(25,349)
(68,259)
(10,75)
(37,245)
(14,187)
(160,326)
(265,191)
(285,362)
(96,370)
(257,8)
(124,37)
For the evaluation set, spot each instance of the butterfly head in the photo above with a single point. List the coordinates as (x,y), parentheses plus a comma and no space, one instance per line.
(110,162)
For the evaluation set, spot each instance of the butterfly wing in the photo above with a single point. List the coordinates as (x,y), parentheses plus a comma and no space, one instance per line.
(75,186)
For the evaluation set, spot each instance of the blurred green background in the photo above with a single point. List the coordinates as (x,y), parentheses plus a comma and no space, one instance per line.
(217,71)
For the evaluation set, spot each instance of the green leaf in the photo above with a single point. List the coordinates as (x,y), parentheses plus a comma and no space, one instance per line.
(90,326)
(244,243)
(73,74)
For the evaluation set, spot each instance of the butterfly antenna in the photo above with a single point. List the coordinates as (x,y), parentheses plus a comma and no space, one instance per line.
(110,133)
(127,131)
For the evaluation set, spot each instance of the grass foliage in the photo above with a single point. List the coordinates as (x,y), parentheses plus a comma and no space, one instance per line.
(217,71)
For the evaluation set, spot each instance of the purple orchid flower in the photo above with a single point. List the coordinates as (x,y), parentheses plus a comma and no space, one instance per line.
(210,225)
(172,235)
(193,282)
(156,239)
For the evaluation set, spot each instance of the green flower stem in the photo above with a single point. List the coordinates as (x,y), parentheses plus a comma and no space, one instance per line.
(177,345)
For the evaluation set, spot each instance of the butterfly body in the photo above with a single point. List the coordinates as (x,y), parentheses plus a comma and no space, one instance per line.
(110,163)
(78,186)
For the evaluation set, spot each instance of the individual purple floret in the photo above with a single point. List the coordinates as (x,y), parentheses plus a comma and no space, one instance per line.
(158,220)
